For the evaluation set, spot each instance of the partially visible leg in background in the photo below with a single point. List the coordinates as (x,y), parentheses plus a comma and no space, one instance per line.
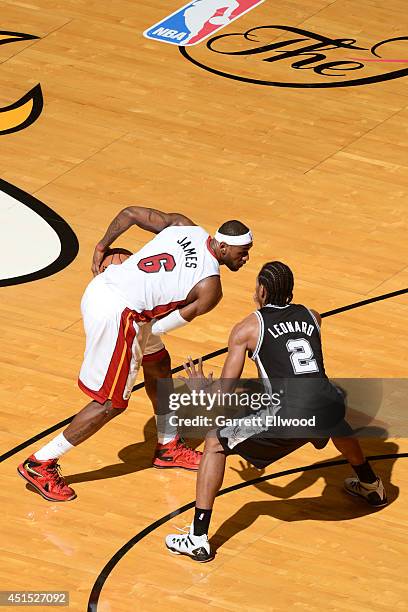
(171,451)
(158,366)
(351,450)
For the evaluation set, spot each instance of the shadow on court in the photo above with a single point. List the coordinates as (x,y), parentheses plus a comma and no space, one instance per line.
(133,458)
(334,504)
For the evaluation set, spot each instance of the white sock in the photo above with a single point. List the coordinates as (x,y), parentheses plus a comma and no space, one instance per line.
(165,431)
(54,449)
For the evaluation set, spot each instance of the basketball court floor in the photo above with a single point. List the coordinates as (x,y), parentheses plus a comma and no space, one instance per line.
(294,119)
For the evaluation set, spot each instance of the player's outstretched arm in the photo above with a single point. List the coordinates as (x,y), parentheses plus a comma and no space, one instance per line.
(243,337)
(146,218)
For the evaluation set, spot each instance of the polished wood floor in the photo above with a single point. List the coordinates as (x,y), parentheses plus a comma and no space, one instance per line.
(321,175)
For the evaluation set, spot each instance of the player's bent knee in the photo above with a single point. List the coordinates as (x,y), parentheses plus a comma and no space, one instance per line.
(109,411)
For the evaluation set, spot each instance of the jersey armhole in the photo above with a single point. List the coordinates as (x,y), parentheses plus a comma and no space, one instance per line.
(314,319)
(261,335)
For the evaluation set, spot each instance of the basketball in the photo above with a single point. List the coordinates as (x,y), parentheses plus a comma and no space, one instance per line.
(114,256)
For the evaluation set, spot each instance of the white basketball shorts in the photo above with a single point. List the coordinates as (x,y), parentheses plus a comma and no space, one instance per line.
(116,345)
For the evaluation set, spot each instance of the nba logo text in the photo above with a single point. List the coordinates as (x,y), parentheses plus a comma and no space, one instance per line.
(197,20)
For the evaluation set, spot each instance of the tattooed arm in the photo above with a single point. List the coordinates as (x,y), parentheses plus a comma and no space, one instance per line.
(147,218)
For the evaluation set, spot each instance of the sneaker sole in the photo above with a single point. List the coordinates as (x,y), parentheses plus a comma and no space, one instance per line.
(174,467)
(380,505)
(41,492)
(176,552)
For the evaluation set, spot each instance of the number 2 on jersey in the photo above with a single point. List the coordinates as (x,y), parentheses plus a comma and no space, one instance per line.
(154,263)
(301,356)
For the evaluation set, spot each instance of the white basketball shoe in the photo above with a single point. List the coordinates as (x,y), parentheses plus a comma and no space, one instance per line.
(374,493)
(186,543)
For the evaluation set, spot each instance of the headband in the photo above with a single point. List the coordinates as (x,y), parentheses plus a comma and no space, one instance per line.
(242,240)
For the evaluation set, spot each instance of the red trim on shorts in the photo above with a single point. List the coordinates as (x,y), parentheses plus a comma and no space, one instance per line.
(116,393)
(157,356)
(118,370)
(95,395)
(160,311)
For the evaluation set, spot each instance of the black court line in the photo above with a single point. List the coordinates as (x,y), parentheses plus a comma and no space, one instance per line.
(113,561)
(179,368)
(325,85)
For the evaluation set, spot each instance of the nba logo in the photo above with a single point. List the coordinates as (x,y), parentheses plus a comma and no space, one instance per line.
(197,20)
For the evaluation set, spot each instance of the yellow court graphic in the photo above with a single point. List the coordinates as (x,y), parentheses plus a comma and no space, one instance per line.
(10,119)
(22,113)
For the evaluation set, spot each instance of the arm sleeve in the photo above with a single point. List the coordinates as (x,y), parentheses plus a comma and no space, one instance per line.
(168,323)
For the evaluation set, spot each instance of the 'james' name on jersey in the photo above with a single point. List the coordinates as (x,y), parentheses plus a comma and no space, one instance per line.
(190,253)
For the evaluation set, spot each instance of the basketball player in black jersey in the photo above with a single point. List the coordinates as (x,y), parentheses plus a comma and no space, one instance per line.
(284,340)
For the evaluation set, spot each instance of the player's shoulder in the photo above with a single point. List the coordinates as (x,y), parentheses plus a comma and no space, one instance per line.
(178,219)
(242,330)
(314,313)
(192,229)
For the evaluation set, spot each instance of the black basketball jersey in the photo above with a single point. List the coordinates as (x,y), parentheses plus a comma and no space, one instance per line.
(289,343)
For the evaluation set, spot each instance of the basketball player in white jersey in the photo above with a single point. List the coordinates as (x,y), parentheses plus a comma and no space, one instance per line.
(201,11)
(284,340)
(173,279)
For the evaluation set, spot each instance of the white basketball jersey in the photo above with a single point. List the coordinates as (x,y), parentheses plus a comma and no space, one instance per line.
(157,279)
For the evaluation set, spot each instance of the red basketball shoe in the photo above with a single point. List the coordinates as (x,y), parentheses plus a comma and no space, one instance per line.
(45,477)
(176,454)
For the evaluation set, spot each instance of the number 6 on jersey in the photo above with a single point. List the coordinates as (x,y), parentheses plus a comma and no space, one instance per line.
(154,263)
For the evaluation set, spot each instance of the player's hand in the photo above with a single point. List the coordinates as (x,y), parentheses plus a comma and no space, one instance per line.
(98,256)
(196,379)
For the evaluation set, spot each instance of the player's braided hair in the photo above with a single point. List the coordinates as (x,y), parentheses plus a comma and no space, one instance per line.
(233,228)
(277,278)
